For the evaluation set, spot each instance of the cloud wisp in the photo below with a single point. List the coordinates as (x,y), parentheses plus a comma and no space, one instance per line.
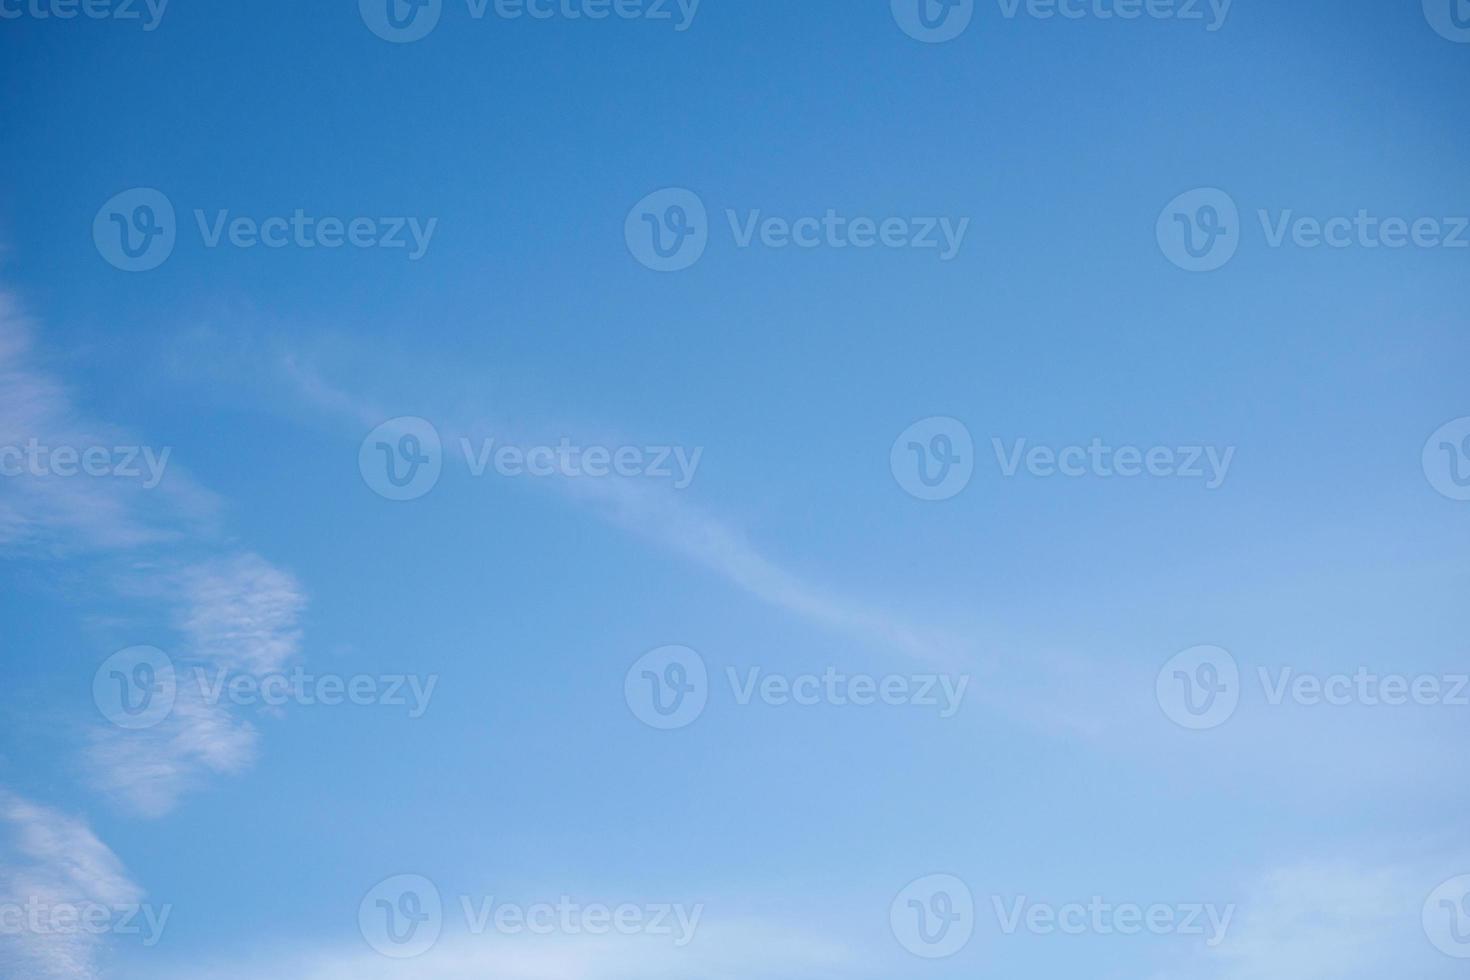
(73,488)
(50,861)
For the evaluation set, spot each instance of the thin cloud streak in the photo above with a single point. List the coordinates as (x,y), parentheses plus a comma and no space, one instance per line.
(233,611)
(50,859)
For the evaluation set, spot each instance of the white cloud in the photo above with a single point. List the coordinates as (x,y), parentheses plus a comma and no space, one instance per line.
(668,519)
(234,612)
(50,859)
(45,512)
(1344,919)
(241,613)
(747,950)
(236,615)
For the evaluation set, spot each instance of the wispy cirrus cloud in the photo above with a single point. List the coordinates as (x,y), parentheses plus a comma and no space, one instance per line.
(737,950)
(1344,918)
(669,520)
(231,610)
(238,614)
(44,511)
(49,860)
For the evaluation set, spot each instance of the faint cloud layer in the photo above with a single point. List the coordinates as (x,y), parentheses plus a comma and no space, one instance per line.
(49,858)
(234,611)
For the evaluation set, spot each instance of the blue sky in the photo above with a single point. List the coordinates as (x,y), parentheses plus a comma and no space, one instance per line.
(779,407)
